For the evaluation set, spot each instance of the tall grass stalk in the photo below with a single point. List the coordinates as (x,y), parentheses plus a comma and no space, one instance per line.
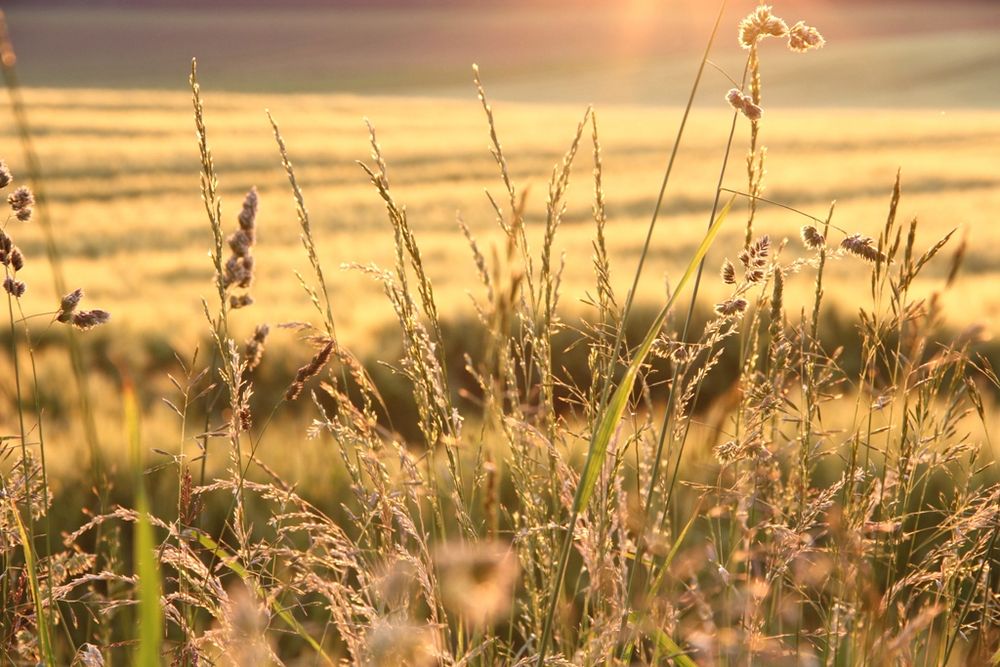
(8,60)
(616,349)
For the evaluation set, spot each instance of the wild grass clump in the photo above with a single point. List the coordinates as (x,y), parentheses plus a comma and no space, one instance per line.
(32,569)
(835,513)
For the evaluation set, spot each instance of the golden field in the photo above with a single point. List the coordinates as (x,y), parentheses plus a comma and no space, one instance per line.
(121,177)
(894,89)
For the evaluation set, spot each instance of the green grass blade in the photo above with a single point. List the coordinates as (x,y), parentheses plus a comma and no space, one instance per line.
(675,548)
(150,612)
(675,652)
(619,400)
(44,642)
(610,418)
(665,642)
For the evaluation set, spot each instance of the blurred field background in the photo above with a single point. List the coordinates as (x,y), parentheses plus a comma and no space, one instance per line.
(907,85)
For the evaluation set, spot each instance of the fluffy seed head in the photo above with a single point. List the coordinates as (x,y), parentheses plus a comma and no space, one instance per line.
(399,644)
(15,288)
(24,214)
(241,301)
(731,307)
(68,305)
(247,277)
(21,199)
(5,175)
(240,242)
(758,252)
(88,319)
(728,273)
(861,246)
(238,272)
(244,623)
(477,580)
(309,371)
(255,346)
(802,37)
(812,238)
(727,452)
(734,450)
(758,24)
(16,259)
(248,215)
(744,104)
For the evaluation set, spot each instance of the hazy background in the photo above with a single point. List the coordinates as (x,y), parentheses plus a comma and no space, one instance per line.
(898,54)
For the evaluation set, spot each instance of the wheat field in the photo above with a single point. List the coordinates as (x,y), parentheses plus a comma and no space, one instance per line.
(118,174)
(118,171)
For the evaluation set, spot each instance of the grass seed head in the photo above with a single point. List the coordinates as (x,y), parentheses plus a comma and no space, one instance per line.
(744,104)
(812,238)
(248,216)
(477,580)
(309,371)
(88,319)
(240,301)
(21,199)
(760,23)
(68,305)
(758,252)
(238,272)
(255,346)
(240,242)
(5,176)
(802,37)
(728,273)
(15,288)
(400,644)
(731,306)
(861,246)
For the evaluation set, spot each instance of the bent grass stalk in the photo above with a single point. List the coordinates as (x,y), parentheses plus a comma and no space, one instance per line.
(629,299)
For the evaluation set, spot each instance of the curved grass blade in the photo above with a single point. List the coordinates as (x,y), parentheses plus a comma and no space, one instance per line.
(610,419)
(672,650)
(619,400)
(44,641)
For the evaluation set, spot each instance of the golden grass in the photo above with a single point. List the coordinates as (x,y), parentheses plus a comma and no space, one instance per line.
(848,509)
